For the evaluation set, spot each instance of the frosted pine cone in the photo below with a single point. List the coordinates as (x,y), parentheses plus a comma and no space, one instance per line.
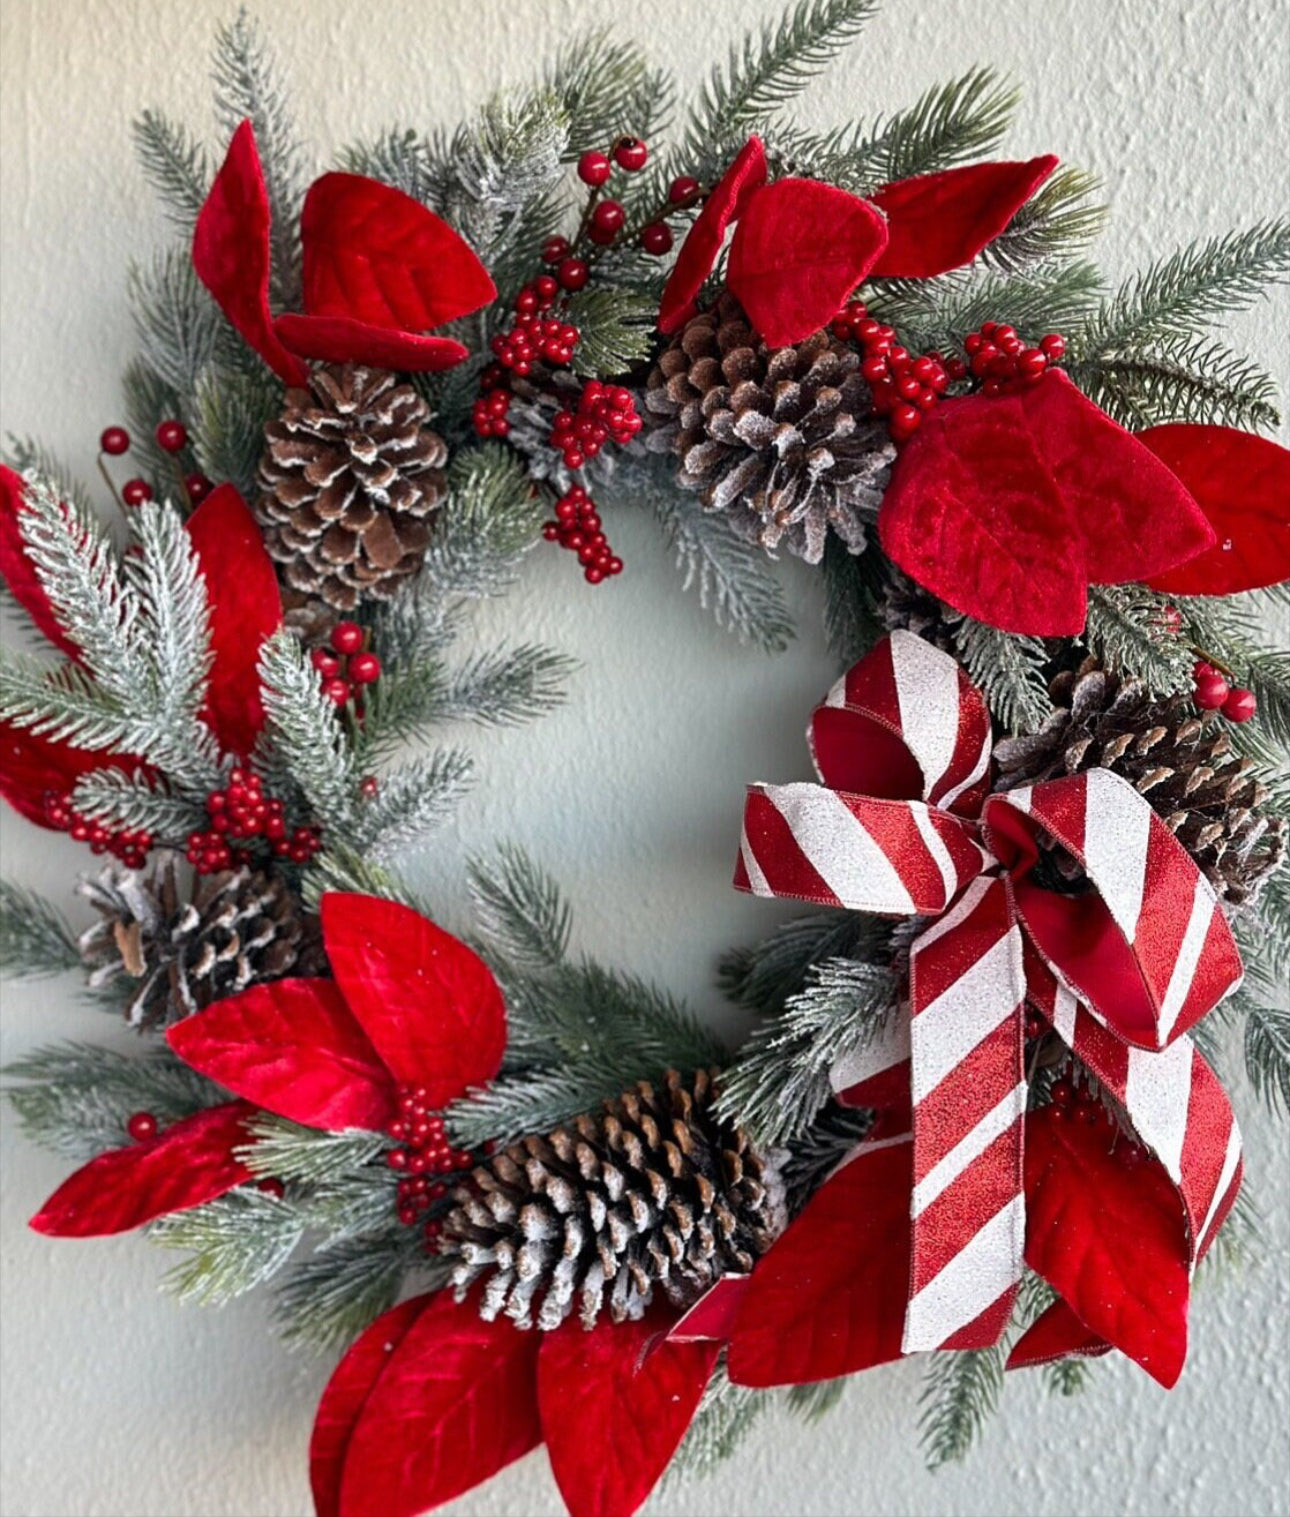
(1181,761)
(350,476)
(653,1191)
(784,440)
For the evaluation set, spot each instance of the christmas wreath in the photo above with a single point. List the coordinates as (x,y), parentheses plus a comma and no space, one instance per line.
(529,1196)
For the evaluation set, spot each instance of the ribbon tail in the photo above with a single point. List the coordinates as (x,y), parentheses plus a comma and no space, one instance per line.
(967,988)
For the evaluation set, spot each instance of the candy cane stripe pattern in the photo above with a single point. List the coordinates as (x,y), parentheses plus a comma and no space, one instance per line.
(903,824)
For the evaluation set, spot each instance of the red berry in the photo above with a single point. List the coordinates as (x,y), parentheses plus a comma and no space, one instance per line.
(172,436)
(337,690)
(1200,669)
(135,491)
(573,273)
(1053,347)
(1211,691)
(630,154)
(594,168)
(327,664)
(272,1187)
(683,189)
(115,440)
(1031,362)
(198,487)
(369,786)
(1240,705)
(364,668)
(656,238)
(554,249)
(142,1125)
(606,222)
(347,637)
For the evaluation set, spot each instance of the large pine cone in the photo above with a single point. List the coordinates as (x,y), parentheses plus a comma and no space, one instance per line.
(182,952)
(1181,761)
(652,1191)
(783,439)
(350,475)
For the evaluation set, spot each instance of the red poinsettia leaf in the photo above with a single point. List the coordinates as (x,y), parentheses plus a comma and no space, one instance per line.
(1109,1238)
(187,1164)
(430,1006)
(245,608)
(1133,514)
(800,249)
(231,252)
(293,1047)
(345,1397)
(698,253)
(615,1402)
(1242,484)
(31,767)
(941,221)
(973,514)
(455,1403)
(338,339)
(829,1298)
(18,571)
(373,254)
(1056,1334)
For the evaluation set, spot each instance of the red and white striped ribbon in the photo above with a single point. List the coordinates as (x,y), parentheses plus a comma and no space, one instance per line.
(902,744)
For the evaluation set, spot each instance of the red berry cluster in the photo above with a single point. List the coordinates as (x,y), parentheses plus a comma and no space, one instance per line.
(1001,360)
(903,385)
(1212,692)
(242,813)
(1071,1103)
(577,527)
(423,1157)
(490,412)
(128,844)
(535,337)
(345,667)
(172,438)
(605,413)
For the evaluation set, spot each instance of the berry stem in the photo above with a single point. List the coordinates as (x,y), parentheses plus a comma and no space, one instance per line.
(1217,663)
(112,489)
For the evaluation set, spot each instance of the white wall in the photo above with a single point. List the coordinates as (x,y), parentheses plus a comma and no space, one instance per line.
(116,1401)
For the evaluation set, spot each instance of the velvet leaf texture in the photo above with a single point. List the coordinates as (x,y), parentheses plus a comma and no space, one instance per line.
(340,339)
(32,765)
(1055,1334)
(1109,1239)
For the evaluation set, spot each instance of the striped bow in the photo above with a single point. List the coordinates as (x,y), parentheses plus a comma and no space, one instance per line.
(904,824)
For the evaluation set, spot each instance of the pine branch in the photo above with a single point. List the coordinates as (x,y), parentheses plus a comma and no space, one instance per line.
(513,1106)
(339,867)
(150,400)
(120,799)
(832,1138)
(412,801)
(491,519)
(1180,378)
(237,1242)
(305,735)
(1067,1377)
(607,88)
(1127,631)
(35,939)
(851,582)
(780,1079)
(227,417)
(78,1099)
(174,165)
(1008,669)
(27,456)
(616,330)
(725,1417)
(764,978)
(519,910)
(951,124)
(815,1399)
(1057,222)
(1183,294)
(178,324)
(1267,1053)
(326,1301)
(961,1392)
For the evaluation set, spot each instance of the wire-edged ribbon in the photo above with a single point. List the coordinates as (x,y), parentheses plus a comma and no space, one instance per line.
(904,824)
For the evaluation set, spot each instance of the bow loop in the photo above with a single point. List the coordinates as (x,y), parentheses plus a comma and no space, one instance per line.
(1147,948)
(905,723)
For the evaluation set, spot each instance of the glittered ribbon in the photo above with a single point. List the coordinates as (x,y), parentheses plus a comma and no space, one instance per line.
(904,824)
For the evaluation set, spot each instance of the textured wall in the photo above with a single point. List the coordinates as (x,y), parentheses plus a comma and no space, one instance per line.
(116,1401)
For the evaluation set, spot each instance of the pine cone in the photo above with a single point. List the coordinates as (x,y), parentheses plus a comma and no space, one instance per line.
(1181,761)
(906,605)
(238,928)
(783,439)
(654,1190)
(349,478)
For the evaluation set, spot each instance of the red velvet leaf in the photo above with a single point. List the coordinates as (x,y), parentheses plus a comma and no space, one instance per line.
(32,766)
(829,1298)
(231,252)
(337,339)
(941,221)
(375,255)
(18,571)
(615,1403)
(698,253)
(295,1048)
(1109,1239)
(430,1006)
(185,1165)
(800,249)
(1242,484)
(1055,1334)
(1134,516)
(345,1397)
(245,608)
(973,514)
(455,1403)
